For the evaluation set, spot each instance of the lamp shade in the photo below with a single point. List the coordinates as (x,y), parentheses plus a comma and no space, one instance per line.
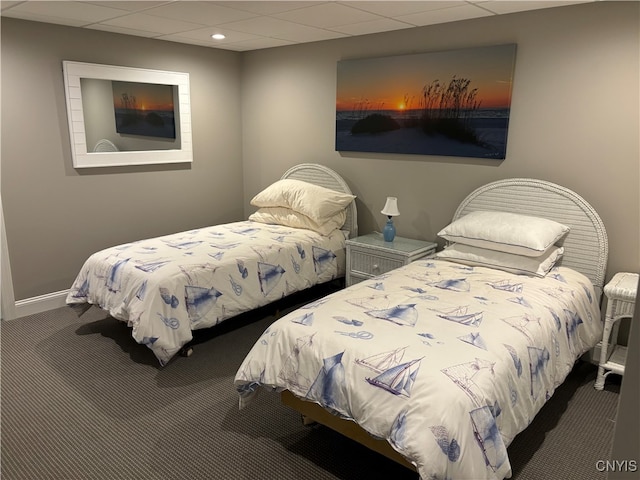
(391,207)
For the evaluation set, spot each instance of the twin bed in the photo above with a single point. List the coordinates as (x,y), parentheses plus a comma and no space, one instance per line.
(166,287)
(438,364)
(441,363)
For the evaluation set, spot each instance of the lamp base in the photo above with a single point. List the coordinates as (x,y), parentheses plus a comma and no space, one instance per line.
(389,232)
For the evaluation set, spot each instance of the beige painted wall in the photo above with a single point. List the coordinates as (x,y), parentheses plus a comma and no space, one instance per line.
(574,119)
(56,216)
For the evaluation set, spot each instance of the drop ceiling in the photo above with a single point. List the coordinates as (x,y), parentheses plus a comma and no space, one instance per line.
(253,25)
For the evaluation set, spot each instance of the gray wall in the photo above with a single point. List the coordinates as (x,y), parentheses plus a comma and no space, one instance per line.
(574,119)
(56,216)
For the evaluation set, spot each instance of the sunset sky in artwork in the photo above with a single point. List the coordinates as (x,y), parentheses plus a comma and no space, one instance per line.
(396,83)
(149,96)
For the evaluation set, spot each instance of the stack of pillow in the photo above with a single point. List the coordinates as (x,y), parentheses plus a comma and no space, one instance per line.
(298,204)
(511,242)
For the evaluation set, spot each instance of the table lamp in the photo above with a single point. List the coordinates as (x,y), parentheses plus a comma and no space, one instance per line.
(390,210)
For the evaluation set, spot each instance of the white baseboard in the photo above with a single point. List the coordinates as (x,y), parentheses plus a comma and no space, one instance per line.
(41,303)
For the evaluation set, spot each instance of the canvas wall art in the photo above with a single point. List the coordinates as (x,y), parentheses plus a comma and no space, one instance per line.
(144,109)
(451,103)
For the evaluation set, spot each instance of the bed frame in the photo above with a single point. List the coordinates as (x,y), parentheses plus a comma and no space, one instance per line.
(586,250)
(325,177)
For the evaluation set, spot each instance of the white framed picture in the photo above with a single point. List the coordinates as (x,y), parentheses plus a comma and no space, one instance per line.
(127,116)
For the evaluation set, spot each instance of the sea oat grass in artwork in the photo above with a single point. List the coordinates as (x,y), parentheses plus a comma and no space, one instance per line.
(448,110)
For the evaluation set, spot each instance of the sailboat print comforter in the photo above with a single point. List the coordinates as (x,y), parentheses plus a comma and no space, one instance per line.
(446,362)
(166,287)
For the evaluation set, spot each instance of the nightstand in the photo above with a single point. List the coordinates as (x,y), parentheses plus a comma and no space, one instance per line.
(369,255)
(621,297)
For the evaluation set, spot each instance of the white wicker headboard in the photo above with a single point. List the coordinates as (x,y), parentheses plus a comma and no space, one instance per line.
(325,177)
(586,247)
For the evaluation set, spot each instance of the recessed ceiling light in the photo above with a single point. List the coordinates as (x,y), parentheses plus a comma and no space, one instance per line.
(218,36)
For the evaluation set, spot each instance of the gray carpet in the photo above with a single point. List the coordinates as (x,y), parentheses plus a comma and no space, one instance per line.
(82,400)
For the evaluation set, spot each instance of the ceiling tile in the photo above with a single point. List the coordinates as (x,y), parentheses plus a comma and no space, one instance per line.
(282,29)
(206,13)
(132,6)
(364,28)
(6,4)
(327,15)
(257,44)
(266,26)
(74,11)
(444,15)
(267,7)
(34,17)
(122,30)
(152,23)
(204,34)
(188,41)
(396,9)
(308,34)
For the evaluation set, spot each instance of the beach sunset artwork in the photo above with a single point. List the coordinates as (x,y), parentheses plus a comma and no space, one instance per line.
(145,109)
(450,103)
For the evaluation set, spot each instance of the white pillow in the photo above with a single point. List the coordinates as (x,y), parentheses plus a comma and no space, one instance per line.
(291,218)
(519,264)
(505,232)
(316,202)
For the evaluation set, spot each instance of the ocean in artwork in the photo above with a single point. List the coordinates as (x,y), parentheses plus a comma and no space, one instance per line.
(489,124)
